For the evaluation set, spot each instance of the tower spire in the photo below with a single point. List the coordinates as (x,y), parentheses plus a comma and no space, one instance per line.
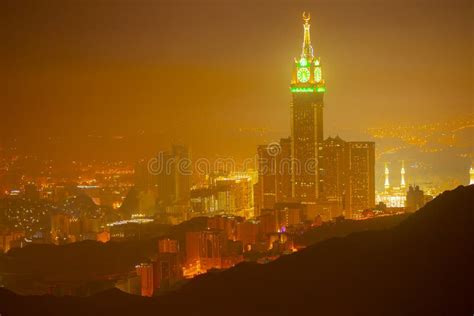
(402,173)
(307,48)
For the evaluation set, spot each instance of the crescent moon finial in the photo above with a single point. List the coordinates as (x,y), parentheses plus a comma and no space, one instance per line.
(306,17)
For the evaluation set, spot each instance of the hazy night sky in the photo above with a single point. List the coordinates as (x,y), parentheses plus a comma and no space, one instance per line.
(197,71)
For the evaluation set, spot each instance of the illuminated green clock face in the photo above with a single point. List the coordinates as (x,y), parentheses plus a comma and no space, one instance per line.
(317,74)
(303,75)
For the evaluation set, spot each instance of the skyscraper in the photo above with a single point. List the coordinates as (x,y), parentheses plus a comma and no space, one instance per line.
(174,176)
(167,268)
(329,178)
(335,173)
(283,176)
(265,190)
(307,89)
(274,175)
(362,176)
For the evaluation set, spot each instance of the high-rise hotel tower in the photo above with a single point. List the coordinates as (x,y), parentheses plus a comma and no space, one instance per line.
(307,89)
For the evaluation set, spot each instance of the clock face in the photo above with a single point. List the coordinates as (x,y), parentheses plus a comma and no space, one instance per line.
(317,74)
(303,75)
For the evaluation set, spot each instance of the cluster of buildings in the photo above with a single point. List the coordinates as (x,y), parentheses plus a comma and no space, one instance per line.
(401,198)
(27,218)
(67,228)
(301,181)
(223,243)
(159,274)
(228,193)
(164,185)
(330,177)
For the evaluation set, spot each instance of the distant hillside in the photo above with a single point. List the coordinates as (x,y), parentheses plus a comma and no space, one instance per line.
(346,227)
(36,266)
(421,267)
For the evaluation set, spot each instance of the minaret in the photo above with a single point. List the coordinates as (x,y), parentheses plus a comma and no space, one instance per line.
(402,173)
(471,176)
(387,181)
(307,48)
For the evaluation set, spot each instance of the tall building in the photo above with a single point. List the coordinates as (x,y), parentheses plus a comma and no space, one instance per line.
(331,177)
(248,232)
(334,178)
(205,248)
(144,179)
(347,181)
(362,176)
(265,190)
(167,269)
(174,176)
(283,176)
(145,272)
(274,175)
(307,89)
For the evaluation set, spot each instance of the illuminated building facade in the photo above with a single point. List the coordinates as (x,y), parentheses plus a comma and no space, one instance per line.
(167,245)
(265,190)
(174,177)
(205,249)
(283,176)
(393,196)
(248,233)
(228,224)
(145,272)
(274,176)
(361,176)
(307,89)
(289,214)
(8,237)
(335,173)
(347,181)
(230,194)
(167,269)
(331,177)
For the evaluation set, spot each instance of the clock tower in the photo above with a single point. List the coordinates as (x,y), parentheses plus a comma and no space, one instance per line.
(307,89)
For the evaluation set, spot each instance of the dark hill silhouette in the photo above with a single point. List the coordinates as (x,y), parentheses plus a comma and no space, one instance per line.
(343,228)
(424,266)
(38,266)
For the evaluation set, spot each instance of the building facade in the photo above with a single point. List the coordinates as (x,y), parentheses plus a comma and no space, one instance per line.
(307,90)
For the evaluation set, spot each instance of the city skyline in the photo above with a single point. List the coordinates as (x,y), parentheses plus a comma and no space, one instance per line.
(153,161)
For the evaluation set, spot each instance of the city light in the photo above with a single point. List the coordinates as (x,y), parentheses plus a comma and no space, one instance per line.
(242,199)
(301,89)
